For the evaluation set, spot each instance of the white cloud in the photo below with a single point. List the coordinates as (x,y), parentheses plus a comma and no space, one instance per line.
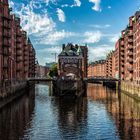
(65,5)
(11,4)
(61,15)
(114,37)
(92,37)
(77,3)
(53,38)
(53,49)
(32,22)
(99,52)
(109,7)
(100,26)
(96,6)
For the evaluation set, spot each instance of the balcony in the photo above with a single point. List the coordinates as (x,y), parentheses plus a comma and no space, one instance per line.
(6,34)
(25,54)
(122,70)
(18,40)
(122,54)
(19,53)
(130,53)
(6,43)
(18,34)
(6,52)
(130,60)
(130,40)
(6,25)
(6,17)
(130,33)
(19,69)
(130,69)
(26,58)
(19,59)
(122,48)
(122,42)
(5,66)
(25,70)
(26,63)
(18,46)
(122,58)
(130,47)
(25,48)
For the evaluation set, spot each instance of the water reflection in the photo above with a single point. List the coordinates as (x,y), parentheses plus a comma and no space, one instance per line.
(124,110)
(103,114)
(72,117)
(15,117)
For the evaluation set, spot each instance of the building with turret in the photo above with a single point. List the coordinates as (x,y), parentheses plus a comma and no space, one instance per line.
(72,61)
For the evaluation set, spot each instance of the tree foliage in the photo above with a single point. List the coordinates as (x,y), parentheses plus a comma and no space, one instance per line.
(53,71)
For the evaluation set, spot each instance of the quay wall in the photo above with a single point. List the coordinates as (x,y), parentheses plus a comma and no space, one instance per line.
(131,89)
(9,92)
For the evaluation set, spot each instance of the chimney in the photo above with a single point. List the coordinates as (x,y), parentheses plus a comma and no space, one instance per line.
(63,46)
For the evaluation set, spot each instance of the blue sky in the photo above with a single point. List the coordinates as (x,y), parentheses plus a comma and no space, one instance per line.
(50,23)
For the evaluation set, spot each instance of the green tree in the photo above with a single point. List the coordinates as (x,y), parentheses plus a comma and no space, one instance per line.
(53,71)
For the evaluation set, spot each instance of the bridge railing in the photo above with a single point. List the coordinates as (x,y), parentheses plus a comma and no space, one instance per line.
(102,78)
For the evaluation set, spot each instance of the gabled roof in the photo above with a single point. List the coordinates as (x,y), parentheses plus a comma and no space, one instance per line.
(71,50)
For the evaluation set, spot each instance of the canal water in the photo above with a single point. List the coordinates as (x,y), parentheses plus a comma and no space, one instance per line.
(103,115)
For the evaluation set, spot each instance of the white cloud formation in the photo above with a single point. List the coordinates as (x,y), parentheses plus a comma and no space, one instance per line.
(92,37)
(77,3)
(52,49)
(44,31)
(99,52)
(100,26)
(50,53)
(54,37)
(11,3)
(114,37)
(96,6)
(109,7)
(61,15)
(34,23)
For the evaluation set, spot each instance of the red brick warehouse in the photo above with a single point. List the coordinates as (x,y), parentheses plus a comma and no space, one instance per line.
(17,55)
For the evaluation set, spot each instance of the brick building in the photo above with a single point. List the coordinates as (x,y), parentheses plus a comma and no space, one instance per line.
(136,41)
(117,60)
(130,50)
(124,62)
(17,55)
(73,60)
(5,38)
(98,68)
(110,65)
(42,71)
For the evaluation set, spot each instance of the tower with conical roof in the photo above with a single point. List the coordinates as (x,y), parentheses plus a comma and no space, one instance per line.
(79,51)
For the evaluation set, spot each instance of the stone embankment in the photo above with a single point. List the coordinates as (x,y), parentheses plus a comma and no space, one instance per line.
(11,90)
(131,89)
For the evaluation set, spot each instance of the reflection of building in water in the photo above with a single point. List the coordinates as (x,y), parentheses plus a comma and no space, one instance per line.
(97,92)
(45,84)
(15,116)
(72,112)
(124,110)
(126,113)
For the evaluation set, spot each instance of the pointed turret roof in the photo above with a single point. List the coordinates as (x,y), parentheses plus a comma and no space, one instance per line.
(79,51)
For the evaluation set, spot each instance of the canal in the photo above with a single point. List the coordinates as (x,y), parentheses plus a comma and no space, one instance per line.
(103,115)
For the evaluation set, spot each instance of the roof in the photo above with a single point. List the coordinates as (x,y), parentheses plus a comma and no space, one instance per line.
(71,50)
